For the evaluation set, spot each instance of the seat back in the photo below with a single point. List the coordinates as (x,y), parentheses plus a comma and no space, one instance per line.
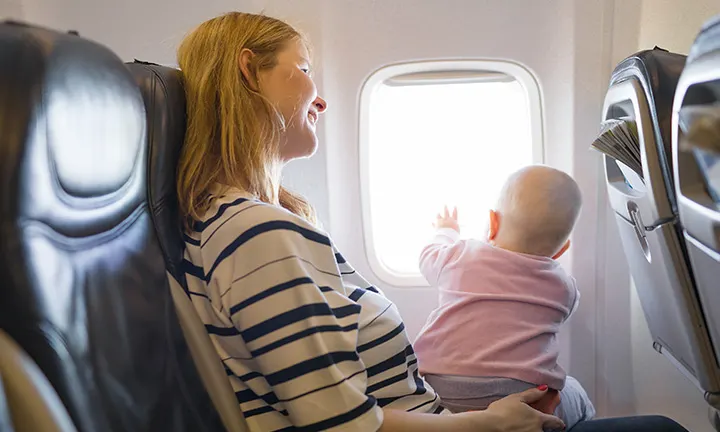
(164,98)
(84,289)
(165,105)
(642,88)
(696,153)
(30,401)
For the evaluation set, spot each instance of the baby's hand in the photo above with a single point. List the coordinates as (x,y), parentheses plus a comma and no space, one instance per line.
(447,220)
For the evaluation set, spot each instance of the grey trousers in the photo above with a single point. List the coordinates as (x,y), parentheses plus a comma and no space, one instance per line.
(460,394)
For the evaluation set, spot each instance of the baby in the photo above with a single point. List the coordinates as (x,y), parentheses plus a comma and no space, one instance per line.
(502,301)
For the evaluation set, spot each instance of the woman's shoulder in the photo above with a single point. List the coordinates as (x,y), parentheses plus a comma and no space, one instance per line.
(234,212)
(243,209)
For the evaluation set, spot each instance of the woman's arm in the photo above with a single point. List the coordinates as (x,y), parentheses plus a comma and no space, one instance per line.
(295,328)
(403,421)
(509,414)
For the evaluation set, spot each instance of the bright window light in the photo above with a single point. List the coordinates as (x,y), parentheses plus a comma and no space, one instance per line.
(429,143)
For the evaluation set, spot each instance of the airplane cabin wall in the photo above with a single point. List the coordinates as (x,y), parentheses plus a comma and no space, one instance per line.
(615,391)
(673,25)
(10,9)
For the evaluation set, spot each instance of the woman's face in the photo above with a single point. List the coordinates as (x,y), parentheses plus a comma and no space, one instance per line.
(289,87)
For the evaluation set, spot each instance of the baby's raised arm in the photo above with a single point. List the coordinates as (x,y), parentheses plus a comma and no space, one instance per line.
(443,248)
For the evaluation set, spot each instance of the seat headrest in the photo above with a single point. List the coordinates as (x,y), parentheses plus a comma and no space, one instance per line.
(164,96)
(658,72)
(707,41)
(73,125)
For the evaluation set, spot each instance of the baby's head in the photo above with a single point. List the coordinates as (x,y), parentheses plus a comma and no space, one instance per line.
(536,212)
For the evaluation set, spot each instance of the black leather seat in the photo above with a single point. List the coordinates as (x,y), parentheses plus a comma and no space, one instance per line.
(84,289)
(162,90)
(164,96)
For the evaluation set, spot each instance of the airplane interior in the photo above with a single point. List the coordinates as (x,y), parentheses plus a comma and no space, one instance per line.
(429,104)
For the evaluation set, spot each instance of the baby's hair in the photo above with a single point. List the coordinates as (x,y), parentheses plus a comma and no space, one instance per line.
(538,208)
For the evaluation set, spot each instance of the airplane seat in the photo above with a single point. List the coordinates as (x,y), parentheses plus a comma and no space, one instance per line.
(696,152)
(164,97)
(84,289)
(642,89)
(28,403)
(5,421)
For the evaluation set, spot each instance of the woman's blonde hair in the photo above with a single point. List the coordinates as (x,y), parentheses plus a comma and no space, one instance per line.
(233,132)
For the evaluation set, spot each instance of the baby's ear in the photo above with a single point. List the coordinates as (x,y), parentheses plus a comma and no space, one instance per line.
(493,225)
(562,250)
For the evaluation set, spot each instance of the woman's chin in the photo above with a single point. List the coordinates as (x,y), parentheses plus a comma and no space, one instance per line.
(310,146)
(303,152)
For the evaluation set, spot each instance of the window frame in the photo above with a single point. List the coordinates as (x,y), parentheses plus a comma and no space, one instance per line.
(517,71)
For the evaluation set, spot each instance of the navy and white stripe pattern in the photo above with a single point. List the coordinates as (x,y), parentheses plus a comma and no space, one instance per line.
(307,343)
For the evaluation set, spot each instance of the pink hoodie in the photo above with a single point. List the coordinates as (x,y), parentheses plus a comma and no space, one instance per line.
(499,312)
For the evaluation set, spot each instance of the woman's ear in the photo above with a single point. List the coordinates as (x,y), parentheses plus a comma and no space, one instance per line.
(564,249)
(244,60)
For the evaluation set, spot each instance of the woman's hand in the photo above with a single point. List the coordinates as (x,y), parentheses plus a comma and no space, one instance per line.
(548,403)
(514,414)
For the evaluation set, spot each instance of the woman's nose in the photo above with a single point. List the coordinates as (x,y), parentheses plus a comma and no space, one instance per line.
(320,104)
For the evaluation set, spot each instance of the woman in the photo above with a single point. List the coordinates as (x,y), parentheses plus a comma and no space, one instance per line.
(307,343)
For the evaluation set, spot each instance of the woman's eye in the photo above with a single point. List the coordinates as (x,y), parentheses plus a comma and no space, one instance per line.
(306,71)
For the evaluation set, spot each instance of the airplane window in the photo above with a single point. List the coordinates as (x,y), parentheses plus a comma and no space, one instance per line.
(430,138)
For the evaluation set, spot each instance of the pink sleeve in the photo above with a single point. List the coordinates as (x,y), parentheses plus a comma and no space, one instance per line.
(435,256)
(576,303)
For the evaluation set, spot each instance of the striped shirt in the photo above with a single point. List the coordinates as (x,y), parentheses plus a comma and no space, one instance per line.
(307,343)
